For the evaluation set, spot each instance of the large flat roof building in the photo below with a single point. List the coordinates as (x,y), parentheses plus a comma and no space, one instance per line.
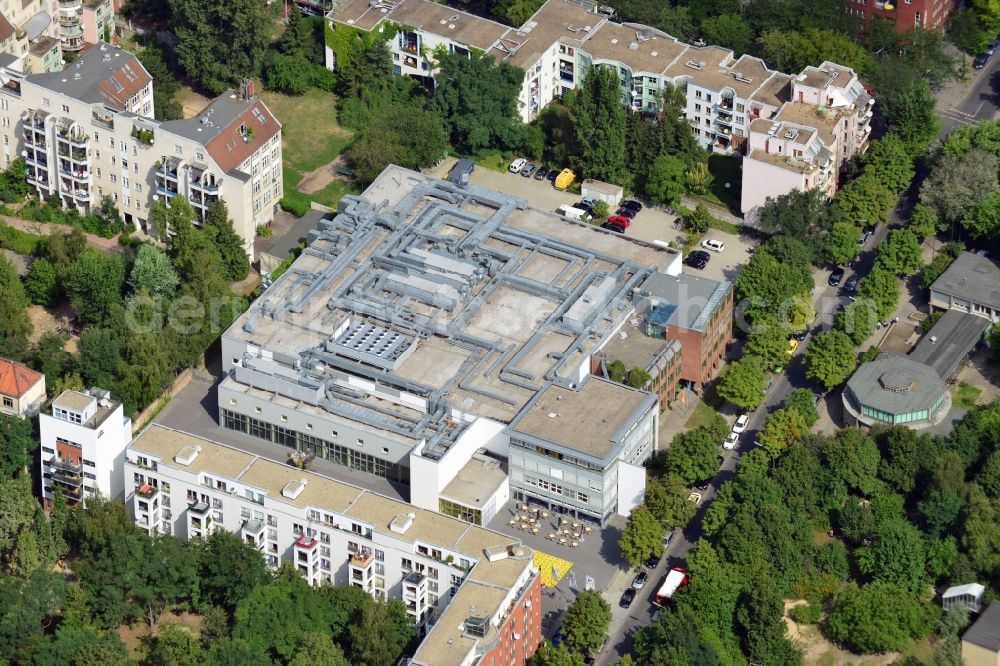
(472,593)
(898,391)
(970,284)
(424,319)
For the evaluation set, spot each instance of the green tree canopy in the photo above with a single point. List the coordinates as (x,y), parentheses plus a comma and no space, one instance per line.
(890,163)
(478,100)
(408,136)
(229,570)
(601,128)
(783,428)
(641,537)
(865,200)
(585,623)
(152,272)
(667,180)
(41,285)
(878,617)
(219,228)
(693,455)
(842,244)
(803,401)
(768,341)
(743,383)
(899,253)
(15,326)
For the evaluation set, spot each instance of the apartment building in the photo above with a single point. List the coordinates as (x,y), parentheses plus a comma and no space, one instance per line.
(905,14)
(88,132)
(424,319)
(22,390)
(725,95)
(83,441)
(97,20)
(473,594)
(30,35)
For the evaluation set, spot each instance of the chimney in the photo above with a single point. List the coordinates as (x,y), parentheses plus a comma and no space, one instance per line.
(246,89)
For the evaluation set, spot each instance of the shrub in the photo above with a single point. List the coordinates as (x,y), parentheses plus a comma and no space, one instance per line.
(295,206)
(18,241)
(807,613)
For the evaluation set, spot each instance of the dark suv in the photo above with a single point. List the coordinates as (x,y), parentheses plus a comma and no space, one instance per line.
(836,276)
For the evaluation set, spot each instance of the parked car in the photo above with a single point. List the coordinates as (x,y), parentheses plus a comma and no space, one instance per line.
(714,245)
(801,335)
(696,498)
(741,423)
(732,439)
(632,204)
(696,261)
(620,220)
(991,48)
(628,596)
(553,174)
(517,165)
(793,344)
(583,205)
(640,580)
(863,238)
(589,201)
(625,212)
(851,286)
(611,226)
(529,170)
(666,539)
(541,173)
(836,276)
(980,61)
(651,562)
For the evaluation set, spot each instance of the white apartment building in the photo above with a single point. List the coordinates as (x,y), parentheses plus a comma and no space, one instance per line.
(444,569)
(32,31)
(725,95)
(83,444)
(88,132)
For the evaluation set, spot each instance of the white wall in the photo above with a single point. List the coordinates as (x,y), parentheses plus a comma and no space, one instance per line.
(631,487)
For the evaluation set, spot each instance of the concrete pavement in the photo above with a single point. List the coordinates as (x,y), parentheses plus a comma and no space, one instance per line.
(967,102)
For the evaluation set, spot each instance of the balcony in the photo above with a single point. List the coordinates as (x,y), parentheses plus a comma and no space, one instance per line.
(199,508)
(166,191)
(726,104)
(65,465)
(34,159)
(78,174)
(82,195)
(41,181)
(105,120)
(306,543)
(362,560)
(147,491)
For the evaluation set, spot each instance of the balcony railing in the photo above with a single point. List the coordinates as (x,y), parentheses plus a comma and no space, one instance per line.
(65,465)
(147,491)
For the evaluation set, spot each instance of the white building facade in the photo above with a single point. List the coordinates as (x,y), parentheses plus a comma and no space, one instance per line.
(83,443)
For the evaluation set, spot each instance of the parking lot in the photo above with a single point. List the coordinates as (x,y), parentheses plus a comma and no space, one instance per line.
(649,225)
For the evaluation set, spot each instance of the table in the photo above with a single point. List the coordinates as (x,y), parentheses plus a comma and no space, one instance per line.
(587,530)
(512,522)
(562,540)
(534,530)
(545,514)
(552,535)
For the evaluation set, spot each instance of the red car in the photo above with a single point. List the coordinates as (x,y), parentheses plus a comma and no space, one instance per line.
(620,220)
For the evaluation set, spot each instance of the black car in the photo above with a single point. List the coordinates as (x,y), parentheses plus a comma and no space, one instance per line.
(851,285)
(980,61)
(541,173)
(836,276)
(625,212)
(628,596)
(696,262)
(632,204)
(587,208)
(552,175)
(613,227)
(652,561)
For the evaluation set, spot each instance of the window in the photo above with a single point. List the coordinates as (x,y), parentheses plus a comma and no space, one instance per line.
(8,402)
(406,564)
(65,108)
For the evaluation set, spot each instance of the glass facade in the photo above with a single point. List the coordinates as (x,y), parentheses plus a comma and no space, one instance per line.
(909,417)
(321,448)
(460,511)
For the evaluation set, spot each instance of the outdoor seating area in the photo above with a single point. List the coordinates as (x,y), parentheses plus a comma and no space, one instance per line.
(565,532)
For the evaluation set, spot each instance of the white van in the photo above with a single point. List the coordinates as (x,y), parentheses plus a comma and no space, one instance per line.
(573,213)
(517,165)
(714,245)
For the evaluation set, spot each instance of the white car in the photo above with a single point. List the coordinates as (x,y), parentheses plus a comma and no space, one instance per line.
(731,441)
(714,245)
(741,423)
(517,165)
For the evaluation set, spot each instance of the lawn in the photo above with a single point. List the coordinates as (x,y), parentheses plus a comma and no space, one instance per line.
(965,395)
(701,416)
(311,135)
(724,170)
(328,196)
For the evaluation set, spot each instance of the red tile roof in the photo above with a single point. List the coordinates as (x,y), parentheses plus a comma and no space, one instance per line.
(124,81)
(17,379)
(6,29)
(229,149)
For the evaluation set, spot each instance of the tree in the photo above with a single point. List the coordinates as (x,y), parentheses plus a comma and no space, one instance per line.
(830,358)
(380,634)
(152,272)
(675,637)
(220,42)
(641,537)
(107,214)
(229,570)
(318,649)
(923,221)
(957,182)
(699,178)
(94,285)
(881,289)
(693,455)
(15,326)
(294,74)
(516,12)
(865,200)
(50,357)
(803,401)
(966,31)
(555,656)
(667,500)
(165,84)
(904,454)
(768,341)
(899,253)
(982,220)
(797,214)
(783,428)
(478,100)
(939,511)
(769,284)
(989,476)
(408,136)
(743,383)
(878,617)
(601,128)
(760,616)
(852,459)
(895,555)
(981,533)
(889,162)
(84,646)
(907,104)
(17,445)
(172,645)
(728,30)
(667,180)
(13,185)
(792,50)
(842,244)
(585,623)
(219,228)
(26,606)
(40,284)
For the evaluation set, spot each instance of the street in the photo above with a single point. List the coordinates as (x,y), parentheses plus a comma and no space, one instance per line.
(980,103)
